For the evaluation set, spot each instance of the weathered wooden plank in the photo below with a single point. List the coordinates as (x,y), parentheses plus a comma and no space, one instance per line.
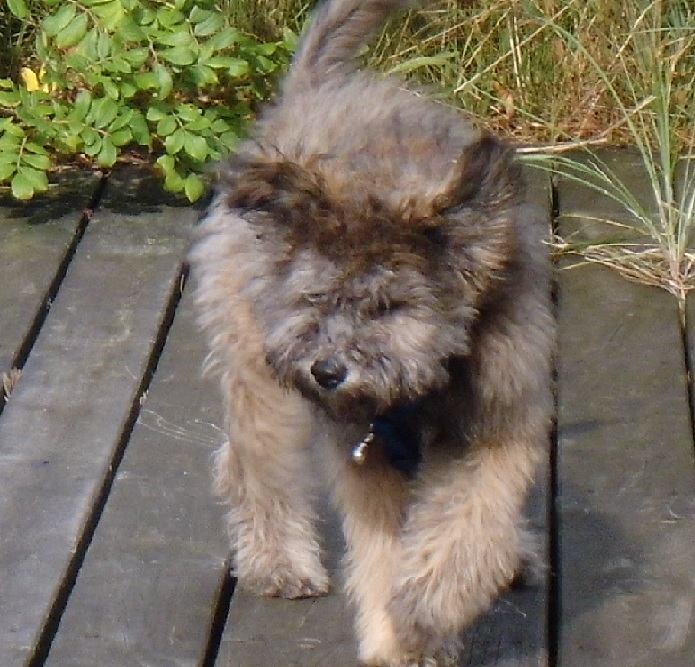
(262,632)
(149,583)
(626,474)
(299,633)
(34,241)
(592,217)
(293,633)
(60,432)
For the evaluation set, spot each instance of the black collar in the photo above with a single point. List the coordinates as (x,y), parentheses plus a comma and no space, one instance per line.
(396,431)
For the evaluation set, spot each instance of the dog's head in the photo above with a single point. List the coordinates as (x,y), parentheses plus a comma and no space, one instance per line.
(363,299)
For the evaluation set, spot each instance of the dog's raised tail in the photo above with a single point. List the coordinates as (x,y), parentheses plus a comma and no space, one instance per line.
(338,29)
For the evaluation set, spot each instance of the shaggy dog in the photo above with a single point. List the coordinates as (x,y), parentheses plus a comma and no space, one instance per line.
(376,294)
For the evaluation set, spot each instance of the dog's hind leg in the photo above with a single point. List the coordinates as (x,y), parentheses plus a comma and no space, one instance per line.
(263,473)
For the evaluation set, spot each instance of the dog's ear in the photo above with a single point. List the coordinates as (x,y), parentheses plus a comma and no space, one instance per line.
(485,175)
(280,188)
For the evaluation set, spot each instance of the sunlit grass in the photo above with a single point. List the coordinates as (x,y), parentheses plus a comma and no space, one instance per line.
(656,104)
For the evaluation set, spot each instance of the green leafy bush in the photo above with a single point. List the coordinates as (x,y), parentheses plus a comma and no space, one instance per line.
(111,80)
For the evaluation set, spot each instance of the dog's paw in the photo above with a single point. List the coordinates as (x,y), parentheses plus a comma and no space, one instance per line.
(447,656)
(423,630)
(285,583)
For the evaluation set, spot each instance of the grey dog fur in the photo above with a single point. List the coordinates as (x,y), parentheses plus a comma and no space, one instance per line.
(366,228)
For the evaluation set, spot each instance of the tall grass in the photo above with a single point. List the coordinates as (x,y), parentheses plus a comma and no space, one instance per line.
(655,100)
(504,62)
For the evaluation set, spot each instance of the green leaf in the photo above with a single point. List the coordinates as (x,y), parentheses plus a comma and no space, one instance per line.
(146,81)
(179,38)
(169,18)
(104,44)
(188,112)
(35,148)
(54,24)
(164,79)
(27,181)
(172,180)
(219,125)
(236,67)
(209,26)
(110,88)
(93,146)
(196,147)
(111,14)
(155,113)
(145,15)
(179,55)
(137,56)
(201,75)
(193,187)
(9,142)
(104,110)
(229,140)
(73,32)
(21,186)
(121,137)
(198,14)
(8,99)
(83,101)
(18,8)
(265,49)
(166,163)
(41,162)
(130,31)
(166,126)
(128,90)
(198,125)
(174,142)
(108,154)
(119,65)
(124,117)
(223,39)
(7,169)
(140,130)
(37,178)
(70,142)
(79,62)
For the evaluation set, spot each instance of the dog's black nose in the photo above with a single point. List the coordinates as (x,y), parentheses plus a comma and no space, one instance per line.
(329,373)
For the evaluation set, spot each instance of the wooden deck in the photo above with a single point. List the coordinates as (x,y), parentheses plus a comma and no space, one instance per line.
(112,549)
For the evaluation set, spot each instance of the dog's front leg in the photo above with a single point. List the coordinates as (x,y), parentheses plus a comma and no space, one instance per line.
(263,473)
(372,499)
(463,542)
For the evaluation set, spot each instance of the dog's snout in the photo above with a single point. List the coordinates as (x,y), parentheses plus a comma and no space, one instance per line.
(329,373)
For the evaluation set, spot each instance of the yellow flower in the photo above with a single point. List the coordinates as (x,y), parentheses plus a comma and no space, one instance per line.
(33,81)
